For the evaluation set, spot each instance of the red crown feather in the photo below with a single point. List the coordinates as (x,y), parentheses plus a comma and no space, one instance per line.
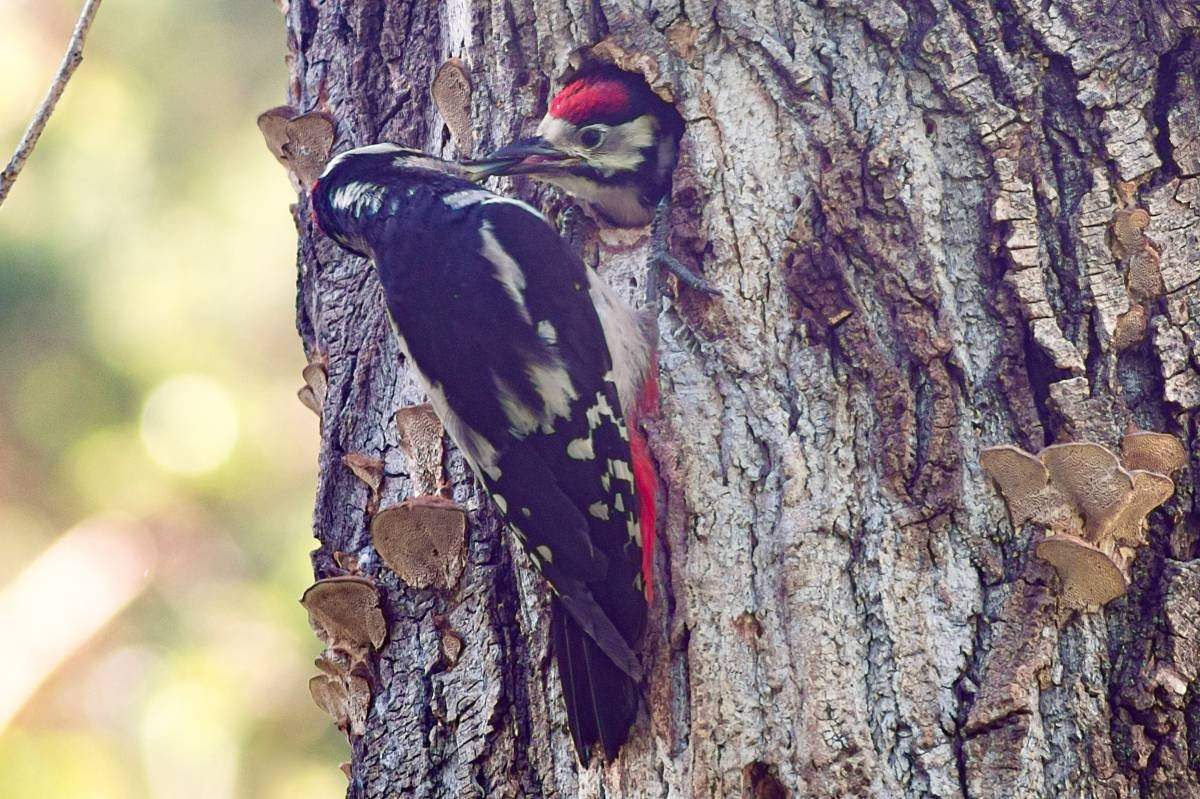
(588,98)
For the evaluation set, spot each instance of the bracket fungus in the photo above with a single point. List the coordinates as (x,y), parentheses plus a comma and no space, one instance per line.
(1153,452)
(1091,506)
(365,468)
(451,93)
(345,698)
(421,439)
(1143,278)
(301,142)
(344,612)
(316,385)
(423,540)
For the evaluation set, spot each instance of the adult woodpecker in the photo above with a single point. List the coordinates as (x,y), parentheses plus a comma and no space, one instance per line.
(526,356)
(611,142)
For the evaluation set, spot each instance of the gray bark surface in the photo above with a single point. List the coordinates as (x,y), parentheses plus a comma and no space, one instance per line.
(909,210)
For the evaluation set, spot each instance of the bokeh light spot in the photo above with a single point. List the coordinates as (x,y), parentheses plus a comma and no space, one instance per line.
(189,424)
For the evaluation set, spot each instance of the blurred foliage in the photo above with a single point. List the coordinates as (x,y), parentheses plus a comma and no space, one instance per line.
(149,371)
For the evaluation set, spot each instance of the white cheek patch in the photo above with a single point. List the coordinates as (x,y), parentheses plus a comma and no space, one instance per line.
(622,148)
(557,131)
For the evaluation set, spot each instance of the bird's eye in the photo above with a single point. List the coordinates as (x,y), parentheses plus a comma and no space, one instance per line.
(591,137)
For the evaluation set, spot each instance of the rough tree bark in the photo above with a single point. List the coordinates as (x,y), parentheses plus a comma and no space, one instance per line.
(908,207)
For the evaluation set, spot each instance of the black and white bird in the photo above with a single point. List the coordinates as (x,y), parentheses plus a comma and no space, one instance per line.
(528,359)
(610,142)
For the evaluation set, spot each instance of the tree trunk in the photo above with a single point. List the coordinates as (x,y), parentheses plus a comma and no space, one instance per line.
(909,209)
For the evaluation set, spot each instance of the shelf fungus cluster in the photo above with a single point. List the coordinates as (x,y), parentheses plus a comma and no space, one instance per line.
(344,612)
(423,539)
(1091,505)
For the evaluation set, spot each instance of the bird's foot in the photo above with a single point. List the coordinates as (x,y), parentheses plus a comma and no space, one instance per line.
(572,227)
(661,258)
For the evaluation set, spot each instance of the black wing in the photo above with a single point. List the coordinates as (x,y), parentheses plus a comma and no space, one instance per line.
(496,314)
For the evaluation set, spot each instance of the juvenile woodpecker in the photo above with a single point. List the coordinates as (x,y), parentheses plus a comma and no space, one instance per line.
(609,141)
(526,356)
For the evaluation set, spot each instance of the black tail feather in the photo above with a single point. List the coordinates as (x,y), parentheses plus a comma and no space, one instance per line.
(601,699)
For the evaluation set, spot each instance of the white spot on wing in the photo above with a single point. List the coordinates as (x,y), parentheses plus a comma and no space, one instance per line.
(581,449)
(599,510)
(546,332)
(461,199)
(545,553)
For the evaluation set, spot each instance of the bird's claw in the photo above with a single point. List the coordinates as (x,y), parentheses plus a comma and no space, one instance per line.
(664,260)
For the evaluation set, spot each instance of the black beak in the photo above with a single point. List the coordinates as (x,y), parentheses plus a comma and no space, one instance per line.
(528,156)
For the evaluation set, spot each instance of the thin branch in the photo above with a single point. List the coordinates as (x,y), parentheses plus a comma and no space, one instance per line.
(71,60)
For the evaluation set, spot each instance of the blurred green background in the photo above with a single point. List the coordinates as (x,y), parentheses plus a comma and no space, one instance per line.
(156,469)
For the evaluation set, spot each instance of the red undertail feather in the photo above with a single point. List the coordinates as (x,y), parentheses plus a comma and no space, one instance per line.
(645,481)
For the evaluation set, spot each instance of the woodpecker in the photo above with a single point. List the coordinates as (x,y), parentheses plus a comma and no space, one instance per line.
(528,359)
(611,142)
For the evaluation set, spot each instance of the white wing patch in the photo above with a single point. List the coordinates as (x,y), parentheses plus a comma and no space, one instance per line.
(554,386)
(359,198)
(521,419)
(507,270)
(468,197)
(546,332)
(370,149)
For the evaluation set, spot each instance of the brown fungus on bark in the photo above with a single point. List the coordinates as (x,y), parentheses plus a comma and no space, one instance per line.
(365,468)
(1091,477)
(421,440)
(1092,508)
(451,93)
(423,540)
(346,699)
(1144,280)
(1128,228)
(301,142)
(344,612)
(1130,328)
(1025,483)
(1153,452)
(1089,576)
(1150,490)
(316,384)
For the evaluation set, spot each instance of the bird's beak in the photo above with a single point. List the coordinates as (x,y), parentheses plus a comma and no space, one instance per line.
(526,157)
